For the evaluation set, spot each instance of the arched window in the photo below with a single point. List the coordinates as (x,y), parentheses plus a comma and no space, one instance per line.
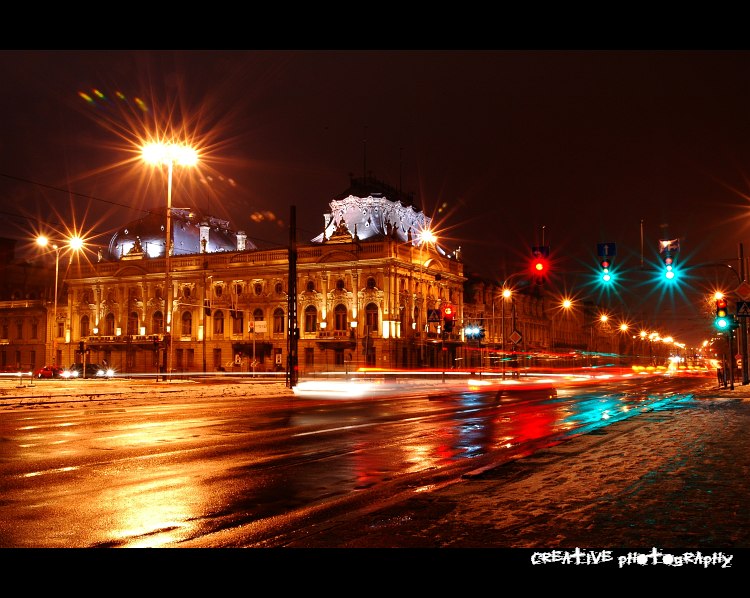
(371,283)
(311,319)
(310,286)
(371,317)
(258,315)
(279,288)
(238,322)
(218,289)
(133,323)
(218,322)
(85,330)
(340,284)
(258,288)
(187,324)
(186,292)
(339,315)
(278,321)
(158,323)
(109,324)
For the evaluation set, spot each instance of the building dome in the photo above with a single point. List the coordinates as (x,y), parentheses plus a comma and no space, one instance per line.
(192,233)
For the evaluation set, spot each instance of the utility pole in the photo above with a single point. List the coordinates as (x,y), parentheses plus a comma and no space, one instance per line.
(292,327)
(743,324)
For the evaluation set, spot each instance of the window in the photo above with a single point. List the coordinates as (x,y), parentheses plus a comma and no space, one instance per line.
(310,286)
(109,325)
(34,328)
(371,317)
(279,288)
(133,323)
(339,315)
(238,289)
(85,331)
(187,324)
(311,319)
(258,315)
(190,359)
(278,321)
(238,325)
(371,283)
(219,322)
(218,289)
(258,288)
(4,329)
(19,328)
(85,298)
(340,284)
(186,292)
(178,355)
(159,294)
(158,323)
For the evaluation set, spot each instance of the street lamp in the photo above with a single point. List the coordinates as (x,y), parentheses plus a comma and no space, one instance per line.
(169,154)
(75,243)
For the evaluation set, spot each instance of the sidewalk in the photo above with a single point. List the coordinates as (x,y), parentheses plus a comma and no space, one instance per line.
(674,479)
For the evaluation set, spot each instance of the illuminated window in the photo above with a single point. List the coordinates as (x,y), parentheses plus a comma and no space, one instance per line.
(132,324)
(187,324)
(109,325)
(371,317)
(219,322)
(85,330)
(339,315)
(311,319)
(158,323)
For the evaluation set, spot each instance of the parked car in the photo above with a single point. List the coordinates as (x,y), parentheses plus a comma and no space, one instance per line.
(48,371)
(93,370)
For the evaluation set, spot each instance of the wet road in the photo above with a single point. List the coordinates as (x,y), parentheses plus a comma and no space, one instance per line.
(220,468)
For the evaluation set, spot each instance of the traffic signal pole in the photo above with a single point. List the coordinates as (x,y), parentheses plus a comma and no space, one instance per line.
(743,324)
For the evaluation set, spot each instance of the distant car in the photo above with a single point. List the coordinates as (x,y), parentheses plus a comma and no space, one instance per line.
(93,370)
(48,371)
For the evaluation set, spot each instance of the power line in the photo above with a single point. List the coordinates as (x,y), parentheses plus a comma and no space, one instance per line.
(68,191)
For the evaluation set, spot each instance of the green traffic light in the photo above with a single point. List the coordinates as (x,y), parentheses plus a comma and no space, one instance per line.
(721,323)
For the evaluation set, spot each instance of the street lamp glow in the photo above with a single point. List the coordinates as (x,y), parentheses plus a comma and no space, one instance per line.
(427,236)
(624,327)
(567,304)
(169,153)
(507,293)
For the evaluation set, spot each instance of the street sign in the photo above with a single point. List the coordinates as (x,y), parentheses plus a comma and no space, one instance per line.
(606,249)
(261,326)
(743,291)
(743,309)
(515,337)
(433,315)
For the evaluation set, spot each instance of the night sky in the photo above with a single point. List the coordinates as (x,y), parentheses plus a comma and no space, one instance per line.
(504,149)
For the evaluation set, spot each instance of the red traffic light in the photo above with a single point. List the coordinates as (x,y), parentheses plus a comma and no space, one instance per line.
(605,263)
(449,313)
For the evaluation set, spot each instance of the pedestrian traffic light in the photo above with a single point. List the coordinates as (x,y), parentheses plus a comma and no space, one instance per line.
(722,321)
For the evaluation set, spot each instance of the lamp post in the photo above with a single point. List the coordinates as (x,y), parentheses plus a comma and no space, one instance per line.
(169,154)
(75,243)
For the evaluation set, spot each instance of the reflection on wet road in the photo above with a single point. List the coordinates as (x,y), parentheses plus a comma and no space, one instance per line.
(222,469)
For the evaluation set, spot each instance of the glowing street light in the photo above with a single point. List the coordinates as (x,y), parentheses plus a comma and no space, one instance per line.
(169,155)
(75,243)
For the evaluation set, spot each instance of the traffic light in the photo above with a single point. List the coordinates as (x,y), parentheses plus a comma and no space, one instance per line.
(449,317)
(540,263)
(668,265)
(722,321)
(606,263)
